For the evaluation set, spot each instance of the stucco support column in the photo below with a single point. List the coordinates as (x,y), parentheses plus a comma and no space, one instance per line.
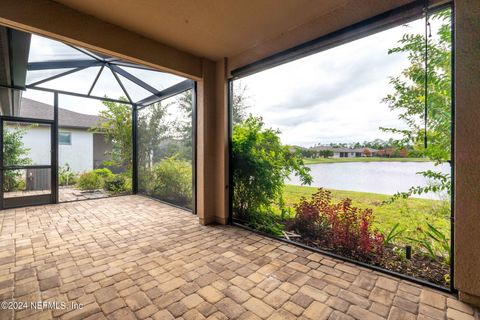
(467,150)
(212,147)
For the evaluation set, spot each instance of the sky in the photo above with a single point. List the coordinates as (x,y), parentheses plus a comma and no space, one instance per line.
(333,96)
(44,49)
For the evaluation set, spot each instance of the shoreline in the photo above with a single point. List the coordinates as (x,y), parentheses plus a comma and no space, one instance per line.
(362,159)
(352,194)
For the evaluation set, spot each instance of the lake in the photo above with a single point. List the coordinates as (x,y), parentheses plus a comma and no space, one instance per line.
(376,177)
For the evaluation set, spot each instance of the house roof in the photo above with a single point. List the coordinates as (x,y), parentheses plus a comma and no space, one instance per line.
(66,118)
(323,148)
(340,149)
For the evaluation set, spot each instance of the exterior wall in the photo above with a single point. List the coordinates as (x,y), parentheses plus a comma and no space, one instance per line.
(467,150)
(100,147)
(78,155)
(38,141)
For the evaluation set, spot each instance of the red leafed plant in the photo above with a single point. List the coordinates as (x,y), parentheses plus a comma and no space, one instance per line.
(338,226)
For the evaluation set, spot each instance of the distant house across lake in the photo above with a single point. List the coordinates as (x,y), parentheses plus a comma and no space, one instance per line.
(339,152)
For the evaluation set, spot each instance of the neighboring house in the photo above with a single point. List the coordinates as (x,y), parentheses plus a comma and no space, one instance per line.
(393,153)
(345,152)
(78,147)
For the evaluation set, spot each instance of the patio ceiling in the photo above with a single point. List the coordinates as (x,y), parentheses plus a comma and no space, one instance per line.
(217,29)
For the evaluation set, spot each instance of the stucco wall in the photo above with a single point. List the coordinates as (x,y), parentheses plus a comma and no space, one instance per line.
(467,150)
(78,155)
(100,147)
(38,141)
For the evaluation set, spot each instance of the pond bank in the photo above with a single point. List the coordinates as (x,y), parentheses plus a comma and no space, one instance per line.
(376,177)
(411,213)
(363,159)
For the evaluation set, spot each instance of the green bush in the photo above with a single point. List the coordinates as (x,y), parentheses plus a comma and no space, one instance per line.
(116,183)
(14,154)
(66,177)
(104,173)
(90,181)
(69,179)
(266,221)
(261,164)
(172,181)
(14,181)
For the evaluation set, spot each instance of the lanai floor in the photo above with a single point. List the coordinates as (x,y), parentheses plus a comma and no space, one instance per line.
(131,257)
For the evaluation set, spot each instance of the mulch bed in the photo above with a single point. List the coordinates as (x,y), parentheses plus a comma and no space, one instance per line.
(420,266)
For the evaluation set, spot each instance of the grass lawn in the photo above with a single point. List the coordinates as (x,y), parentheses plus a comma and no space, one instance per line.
(363,159)
(410,213)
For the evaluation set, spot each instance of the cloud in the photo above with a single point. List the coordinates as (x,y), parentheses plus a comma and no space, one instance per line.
(332,96)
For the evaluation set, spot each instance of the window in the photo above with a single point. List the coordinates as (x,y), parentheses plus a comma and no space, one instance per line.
(64,138)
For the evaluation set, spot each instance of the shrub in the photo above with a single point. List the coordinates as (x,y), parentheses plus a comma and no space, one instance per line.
(435,243)
(14,154)
(104,173)
(260,165)
(116,183)
(308,220)
(172,181)
(66,177)
(128,182)
(338,226)
(394,233)
(13,180)
(267,222)
(90,181)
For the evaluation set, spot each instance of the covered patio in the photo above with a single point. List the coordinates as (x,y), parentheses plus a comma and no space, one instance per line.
(135,258)
(181,255)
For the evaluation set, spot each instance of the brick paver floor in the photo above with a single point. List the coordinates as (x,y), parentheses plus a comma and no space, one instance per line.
(132,257)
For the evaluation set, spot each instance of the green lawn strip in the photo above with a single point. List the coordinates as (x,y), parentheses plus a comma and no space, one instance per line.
(410,213)
(363,159)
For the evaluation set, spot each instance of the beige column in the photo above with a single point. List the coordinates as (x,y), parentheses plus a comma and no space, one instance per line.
(212,173)
(467,150)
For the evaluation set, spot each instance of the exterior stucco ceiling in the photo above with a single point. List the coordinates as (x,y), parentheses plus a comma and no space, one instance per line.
(221,28)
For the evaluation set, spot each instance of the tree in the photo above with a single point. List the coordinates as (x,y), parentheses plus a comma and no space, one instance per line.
(408,98)
(239,107)
(239,102)
(14,154)
(185,127)
(152,131)
(261,164)
(304,152)
(326,153)
(116,124)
